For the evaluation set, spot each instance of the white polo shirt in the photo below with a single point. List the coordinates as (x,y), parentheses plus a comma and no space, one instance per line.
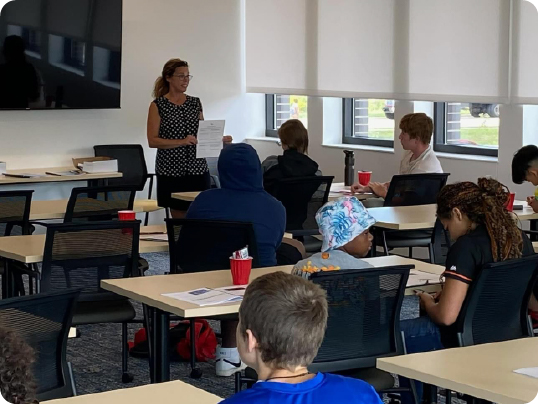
(427,163)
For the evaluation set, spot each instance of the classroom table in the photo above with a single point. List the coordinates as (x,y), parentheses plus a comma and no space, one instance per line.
(534,243)
(53,178)
(483,371)
(148,290)
(334,193)
(56,209)
(164,393)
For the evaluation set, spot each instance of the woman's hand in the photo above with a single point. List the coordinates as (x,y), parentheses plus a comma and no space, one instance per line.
(532,202)
(189,140)
(357,188)
(227,139)
(424,299)
(378,189)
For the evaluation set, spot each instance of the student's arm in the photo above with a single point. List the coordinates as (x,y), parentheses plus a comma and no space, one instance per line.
(446,311)
(154,141)
(532,202)
(379,188)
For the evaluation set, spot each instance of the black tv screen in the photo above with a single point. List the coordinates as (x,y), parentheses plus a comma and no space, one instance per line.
(60,54)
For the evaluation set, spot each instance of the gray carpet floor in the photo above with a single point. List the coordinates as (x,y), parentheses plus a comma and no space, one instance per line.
(96,354)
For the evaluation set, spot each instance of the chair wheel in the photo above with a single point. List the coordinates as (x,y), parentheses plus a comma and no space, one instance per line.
(127,377)
(196,373)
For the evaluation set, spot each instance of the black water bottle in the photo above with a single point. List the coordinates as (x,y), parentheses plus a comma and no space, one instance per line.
(349,167)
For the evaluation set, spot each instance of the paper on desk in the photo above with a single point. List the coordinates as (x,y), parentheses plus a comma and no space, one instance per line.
(210,138)
(418,278)
(527,371)
(155,237)
(208,297)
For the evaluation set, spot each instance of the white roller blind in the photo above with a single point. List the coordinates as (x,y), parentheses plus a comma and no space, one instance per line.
(26,13)
(68,18)
(525,47)
(356,47)
(276,46)
(107,32)
(459,50)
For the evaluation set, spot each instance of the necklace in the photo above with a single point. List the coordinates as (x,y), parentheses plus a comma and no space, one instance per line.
(287,377)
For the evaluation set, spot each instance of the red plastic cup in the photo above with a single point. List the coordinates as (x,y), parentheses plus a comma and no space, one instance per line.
(241,270)
(127,215)
(364,177)
(510,202)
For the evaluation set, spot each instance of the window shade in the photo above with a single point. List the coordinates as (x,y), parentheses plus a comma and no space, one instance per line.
(106,30)
(25,13)
(68,18)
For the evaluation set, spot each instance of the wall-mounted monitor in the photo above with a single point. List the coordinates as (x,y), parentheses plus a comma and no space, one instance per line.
(60,54)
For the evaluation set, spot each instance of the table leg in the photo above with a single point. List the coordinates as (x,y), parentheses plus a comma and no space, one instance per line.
(159,351)
(195,372)
(5,281)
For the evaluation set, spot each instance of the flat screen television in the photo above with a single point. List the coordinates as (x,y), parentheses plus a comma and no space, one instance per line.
(60,54)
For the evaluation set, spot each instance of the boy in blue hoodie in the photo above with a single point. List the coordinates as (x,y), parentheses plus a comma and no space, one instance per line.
(241,198)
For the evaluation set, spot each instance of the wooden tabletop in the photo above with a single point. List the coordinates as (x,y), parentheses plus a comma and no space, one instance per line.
(158,393)
(52,178)
(55,209)
(149,289)
(424,216)
(483,371)
(534,246)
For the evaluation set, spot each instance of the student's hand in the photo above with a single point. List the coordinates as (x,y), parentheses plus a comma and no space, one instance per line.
(357,188)
(378,189)
(227,139)
(424,299)
(532,202)
(190,140)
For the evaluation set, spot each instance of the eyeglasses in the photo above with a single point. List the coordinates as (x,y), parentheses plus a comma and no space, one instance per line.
(183,77)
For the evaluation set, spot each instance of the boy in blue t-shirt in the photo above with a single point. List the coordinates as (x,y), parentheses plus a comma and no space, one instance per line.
(282,324)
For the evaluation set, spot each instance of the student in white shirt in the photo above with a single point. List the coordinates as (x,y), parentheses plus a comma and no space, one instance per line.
(419,158)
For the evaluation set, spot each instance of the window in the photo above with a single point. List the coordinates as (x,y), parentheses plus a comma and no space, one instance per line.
(281,108)
(32,40)
(368,122)
(74,53)
(466,128)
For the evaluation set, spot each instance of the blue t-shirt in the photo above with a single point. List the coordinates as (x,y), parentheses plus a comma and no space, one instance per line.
(321,389)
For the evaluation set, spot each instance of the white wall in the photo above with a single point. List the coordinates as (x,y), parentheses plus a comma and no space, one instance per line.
(208,34)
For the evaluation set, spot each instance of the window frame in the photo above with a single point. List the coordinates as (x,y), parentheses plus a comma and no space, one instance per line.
(348,129)
(270,116)
(439,145)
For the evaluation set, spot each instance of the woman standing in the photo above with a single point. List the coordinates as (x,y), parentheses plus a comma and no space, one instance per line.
(173,121)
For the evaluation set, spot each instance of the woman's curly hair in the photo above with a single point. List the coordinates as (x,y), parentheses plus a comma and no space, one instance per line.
(484,203)
(17,384)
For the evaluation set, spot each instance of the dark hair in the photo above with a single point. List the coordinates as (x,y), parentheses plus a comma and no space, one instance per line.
(522,161)
(17,384)
(161,86)
(294,135)
(417,126)
(484,203)
(287,315)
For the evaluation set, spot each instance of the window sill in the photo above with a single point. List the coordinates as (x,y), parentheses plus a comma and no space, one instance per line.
(360,147)
(263,139)
(467,157)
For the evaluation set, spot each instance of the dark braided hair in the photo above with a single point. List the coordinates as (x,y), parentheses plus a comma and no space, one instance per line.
(17,384)
(484,203)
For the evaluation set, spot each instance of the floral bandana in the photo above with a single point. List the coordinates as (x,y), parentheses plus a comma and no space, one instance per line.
(342,220)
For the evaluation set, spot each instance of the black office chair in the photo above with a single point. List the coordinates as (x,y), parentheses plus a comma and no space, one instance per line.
(440,244)
(132,165)
(206,245)
(302,197)
(80,255)
(14,221)
(363,325)
(43,321)
(410,190)
(98,203)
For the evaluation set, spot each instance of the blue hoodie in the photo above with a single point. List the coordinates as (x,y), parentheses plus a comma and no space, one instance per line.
(242,198)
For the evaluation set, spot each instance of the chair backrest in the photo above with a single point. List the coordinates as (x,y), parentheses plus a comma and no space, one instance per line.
(206,245)
(441,242)
(363,323)
(131,163)
(414,189)
(302,197)
(98,203)
(80,255)
(43,321)
(496,306)
(15,212)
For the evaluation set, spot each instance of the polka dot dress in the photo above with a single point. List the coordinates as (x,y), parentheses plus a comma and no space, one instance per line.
(178,121)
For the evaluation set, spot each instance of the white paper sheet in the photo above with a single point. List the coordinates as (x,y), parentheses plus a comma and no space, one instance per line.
(210,138)
(208,297)
(154,237)
(419,278)
(527,371)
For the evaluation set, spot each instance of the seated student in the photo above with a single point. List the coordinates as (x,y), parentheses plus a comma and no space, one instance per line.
(17,384)
(294,162)
(344,225)
(419,158)
(280,344)
(524,168)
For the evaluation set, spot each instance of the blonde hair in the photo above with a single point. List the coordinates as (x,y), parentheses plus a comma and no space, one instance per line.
(161,86)
(294,135)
